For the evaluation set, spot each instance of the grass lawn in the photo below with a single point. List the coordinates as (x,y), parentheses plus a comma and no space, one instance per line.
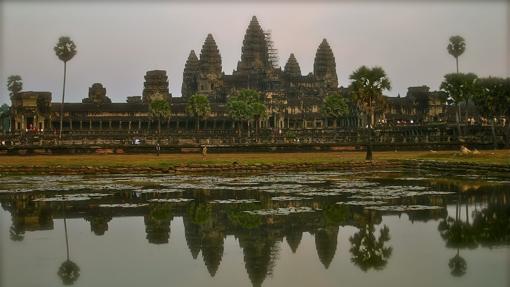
(501,157)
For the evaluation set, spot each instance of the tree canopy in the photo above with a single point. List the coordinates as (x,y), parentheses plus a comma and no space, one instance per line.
(65,49)
(459,87)
(14,84)
(367,88)
(334,106)
(198,106)
(246,105)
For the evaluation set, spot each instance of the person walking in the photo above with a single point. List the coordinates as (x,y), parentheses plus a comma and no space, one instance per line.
(204,152)
(158,149)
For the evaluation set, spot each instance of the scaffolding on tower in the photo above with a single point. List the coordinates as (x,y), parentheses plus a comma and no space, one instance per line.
(271,51)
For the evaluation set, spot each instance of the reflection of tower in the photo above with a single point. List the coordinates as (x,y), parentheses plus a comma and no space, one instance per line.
(193,236)
(325,243)
(260,255)
(98,222)
(293,238)
(27,215)
(157,224)
(212,250)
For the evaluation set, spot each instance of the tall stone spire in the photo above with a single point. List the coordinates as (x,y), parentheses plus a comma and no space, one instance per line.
(190,75)
(210,58)
(254,55)
(324,66)
(292,67)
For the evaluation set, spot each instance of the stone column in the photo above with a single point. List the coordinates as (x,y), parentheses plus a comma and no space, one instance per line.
(100,124)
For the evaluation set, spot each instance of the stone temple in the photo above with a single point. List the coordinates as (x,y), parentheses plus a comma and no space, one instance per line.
(293,100)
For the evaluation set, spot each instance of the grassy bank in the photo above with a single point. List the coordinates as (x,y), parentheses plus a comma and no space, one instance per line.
(500,157)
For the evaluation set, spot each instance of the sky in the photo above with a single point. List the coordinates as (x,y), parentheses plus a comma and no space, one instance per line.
(119,41)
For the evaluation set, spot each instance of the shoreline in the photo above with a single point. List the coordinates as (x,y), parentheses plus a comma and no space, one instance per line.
(495,162)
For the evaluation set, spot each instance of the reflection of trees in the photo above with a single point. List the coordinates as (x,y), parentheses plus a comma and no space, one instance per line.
(337,214)
(367,250)
(490,227)
(199,212)
(492,224)
(69,271)
(458,265)
(157,223)
(457,234)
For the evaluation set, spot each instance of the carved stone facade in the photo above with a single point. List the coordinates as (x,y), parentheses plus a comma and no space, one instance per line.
(293,100)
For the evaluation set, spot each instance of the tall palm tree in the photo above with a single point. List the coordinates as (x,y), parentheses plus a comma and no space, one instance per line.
(367,88)
(456,47)
(68,271)
(199,107)
(65,51)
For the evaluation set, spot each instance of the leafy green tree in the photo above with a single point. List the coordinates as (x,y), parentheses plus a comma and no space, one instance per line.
(334,106)
(367,86)
(198,106)
(160,109)
(456,47)
(65,51)
(14,84)
(4,108)
(367,250)
(246,106)
(460,88)
(491,101)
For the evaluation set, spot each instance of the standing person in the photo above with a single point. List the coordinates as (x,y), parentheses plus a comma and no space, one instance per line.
(204,152)
(158,148)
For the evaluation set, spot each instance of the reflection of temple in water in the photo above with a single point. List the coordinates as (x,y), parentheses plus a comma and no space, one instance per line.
(206,224)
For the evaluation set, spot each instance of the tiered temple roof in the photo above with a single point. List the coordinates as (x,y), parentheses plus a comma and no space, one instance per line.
(189,76)
(292,68)
(324,66)
(156,82)
(254,55)
(210,58)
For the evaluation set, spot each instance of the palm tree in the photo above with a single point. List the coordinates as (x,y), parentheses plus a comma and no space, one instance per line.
(160,109)
(367,88)
(14,84)
(65,51)
(69,271)
(199,107)
(456,47)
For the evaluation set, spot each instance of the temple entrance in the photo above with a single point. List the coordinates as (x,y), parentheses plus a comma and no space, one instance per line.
(30,123)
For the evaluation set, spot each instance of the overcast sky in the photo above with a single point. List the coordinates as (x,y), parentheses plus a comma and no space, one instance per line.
(118,42)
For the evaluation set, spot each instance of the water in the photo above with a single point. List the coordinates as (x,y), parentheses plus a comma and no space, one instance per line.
(384,228)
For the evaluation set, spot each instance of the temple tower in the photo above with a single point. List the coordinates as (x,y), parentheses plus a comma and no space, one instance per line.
(292,68)
(324,66)
(190,76)
(254,55)
(155,85)
(209,67)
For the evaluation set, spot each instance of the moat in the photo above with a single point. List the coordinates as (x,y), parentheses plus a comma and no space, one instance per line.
(379,228)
